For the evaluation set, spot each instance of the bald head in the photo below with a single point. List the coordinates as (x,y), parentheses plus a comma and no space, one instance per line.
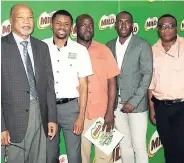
(18,7)
(21,19)
(82,17)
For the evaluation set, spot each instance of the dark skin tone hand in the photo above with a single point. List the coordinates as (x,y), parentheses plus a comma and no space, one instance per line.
(127,108)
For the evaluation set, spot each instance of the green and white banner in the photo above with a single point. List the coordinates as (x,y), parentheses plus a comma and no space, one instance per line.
(145,13)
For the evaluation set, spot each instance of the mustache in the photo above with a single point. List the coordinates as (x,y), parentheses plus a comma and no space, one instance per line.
(27,26)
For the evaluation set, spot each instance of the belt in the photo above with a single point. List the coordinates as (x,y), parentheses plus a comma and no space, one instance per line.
(64,100)
(166,102)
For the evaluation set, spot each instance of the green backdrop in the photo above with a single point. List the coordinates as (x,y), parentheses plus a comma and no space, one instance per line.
(145,15)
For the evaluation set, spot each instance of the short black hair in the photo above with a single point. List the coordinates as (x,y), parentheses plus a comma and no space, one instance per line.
(125,12)
(62,12)
(166,16)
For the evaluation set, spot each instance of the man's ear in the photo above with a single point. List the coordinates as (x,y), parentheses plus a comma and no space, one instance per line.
(115,26)
(10,19)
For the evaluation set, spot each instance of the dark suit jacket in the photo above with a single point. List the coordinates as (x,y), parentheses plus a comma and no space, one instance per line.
(15,91)
(136,72)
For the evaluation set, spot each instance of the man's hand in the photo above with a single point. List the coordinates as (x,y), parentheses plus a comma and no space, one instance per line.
(5,138)
(127,108)
(78,126)
(52,129)
(152,117)
(108,122)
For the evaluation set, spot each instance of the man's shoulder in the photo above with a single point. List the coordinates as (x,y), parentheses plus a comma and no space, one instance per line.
(76,46)
(111,42)
(37,41)
(4,39)
(48,40)
(100,45)
(140,40)
(154,46)
(74,43)
(181,39)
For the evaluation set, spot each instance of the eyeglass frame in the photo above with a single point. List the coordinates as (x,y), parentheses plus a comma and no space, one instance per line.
(166,25)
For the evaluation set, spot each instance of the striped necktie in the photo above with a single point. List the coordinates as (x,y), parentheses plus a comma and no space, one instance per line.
(30,73)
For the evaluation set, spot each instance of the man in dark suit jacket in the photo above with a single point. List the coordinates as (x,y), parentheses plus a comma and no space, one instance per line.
(27,91)
(134,57)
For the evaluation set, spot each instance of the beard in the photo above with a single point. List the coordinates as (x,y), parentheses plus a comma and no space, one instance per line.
(26,32)
(85,37)
(61,36)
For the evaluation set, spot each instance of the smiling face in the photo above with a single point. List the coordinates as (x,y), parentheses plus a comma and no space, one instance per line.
(21,20)
(167,29)
(61,26)
(124,25)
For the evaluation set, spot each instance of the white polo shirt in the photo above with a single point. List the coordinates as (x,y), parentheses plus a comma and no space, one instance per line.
(69,63)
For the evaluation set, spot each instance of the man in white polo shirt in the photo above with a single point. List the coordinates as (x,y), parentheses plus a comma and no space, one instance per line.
(71,66)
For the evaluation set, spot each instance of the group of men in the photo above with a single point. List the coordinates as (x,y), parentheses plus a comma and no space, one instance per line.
(63,84)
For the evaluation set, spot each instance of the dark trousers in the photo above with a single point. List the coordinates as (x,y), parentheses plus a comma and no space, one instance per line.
(170,126)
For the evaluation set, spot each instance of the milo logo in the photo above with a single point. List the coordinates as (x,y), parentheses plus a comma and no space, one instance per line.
(5,27)
(151,23)
(44,20)
(154,144)
(95,132)
(106,21)
(182,26)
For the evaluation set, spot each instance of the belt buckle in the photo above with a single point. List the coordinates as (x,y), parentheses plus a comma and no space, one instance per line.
(59,100)
(167,102)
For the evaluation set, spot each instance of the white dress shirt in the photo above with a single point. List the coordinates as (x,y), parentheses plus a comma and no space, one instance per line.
(18,40)
(120,51)
(69,63)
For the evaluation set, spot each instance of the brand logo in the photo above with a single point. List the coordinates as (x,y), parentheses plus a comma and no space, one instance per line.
(106,138)
(151,23)
(96,130)
(44,20)
(5,27)
(135,28)
(182,26)
(73,34)
(63,158)
(154,144)
(107,21)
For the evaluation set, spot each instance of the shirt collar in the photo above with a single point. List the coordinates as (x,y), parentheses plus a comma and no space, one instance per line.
(126,42)
(159,43)
(18,39)
(65,44)
(93,43)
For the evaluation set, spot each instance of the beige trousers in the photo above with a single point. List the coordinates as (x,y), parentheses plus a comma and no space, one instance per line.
(100,157)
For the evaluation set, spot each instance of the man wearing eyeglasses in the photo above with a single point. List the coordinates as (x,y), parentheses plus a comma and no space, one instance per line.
(166,92)
(134,57)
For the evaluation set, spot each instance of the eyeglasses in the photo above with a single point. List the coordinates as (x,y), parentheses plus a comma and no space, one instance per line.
(164,26)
